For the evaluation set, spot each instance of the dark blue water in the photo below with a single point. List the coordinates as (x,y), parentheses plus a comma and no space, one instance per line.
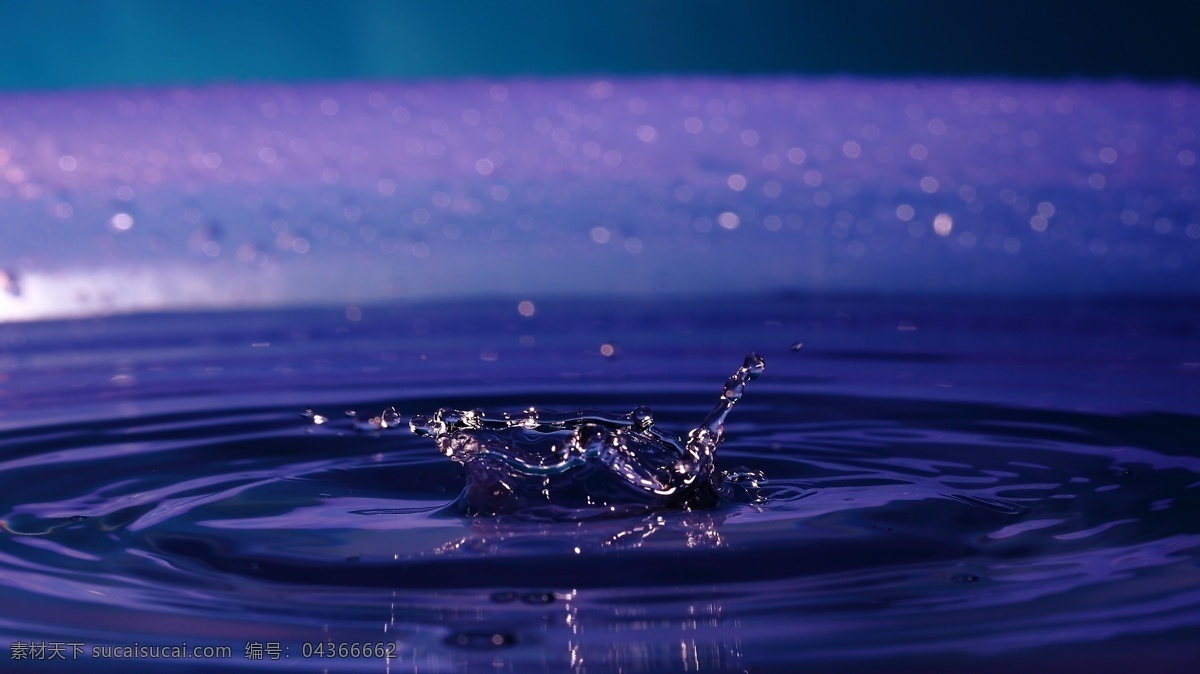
(949,484)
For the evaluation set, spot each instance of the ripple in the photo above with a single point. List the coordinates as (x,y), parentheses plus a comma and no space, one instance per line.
(860,521)
(887,526)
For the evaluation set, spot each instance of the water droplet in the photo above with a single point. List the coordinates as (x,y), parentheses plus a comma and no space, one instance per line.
(390,418)
(796,346)
(754,365)
(642,417)
(316,418)
(608,350)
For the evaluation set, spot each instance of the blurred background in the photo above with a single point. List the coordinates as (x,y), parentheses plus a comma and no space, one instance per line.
(92,43)
(229,154)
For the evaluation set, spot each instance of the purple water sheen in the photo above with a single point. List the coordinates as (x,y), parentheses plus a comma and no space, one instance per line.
(352,193)
(949,485)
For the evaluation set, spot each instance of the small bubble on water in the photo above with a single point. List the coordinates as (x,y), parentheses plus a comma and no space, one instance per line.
(537,598)
(796,346)
(481,640)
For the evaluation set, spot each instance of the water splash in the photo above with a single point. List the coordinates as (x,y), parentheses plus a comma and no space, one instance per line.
(541,464)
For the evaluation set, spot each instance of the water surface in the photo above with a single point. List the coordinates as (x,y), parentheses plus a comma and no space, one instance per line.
(948,484)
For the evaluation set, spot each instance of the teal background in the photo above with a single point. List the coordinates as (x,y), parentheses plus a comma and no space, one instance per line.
(89,43)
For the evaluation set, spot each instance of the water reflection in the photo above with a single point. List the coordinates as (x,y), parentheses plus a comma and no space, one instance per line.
(500,536)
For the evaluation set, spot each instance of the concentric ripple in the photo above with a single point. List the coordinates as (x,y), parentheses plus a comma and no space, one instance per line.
(887,528)
(949,525)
